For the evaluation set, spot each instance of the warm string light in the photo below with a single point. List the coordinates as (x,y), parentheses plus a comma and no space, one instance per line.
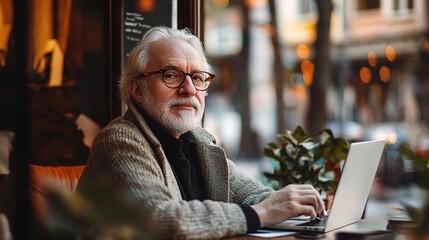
(385,74)
(372,59)
(307,68)
(384,71)
(365,75)
(146,5)
(390,53)
(303,51)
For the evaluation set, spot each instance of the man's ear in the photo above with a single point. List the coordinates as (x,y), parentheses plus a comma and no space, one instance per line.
(136,91)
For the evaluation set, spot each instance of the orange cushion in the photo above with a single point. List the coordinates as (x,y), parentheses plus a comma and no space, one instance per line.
(45,179)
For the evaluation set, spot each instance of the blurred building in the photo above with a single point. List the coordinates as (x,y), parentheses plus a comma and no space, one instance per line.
(377,49)
(378,52)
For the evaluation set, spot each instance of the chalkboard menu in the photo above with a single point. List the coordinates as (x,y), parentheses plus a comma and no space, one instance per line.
(139,16)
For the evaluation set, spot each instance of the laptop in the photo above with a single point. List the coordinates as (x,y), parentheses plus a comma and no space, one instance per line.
(352,191)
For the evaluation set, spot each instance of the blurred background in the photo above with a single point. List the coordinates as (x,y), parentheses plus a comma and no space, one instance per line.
(357,67)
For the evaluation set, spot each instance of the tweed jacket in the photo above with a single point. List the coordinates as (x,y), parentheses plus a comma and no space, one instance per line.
(127,155)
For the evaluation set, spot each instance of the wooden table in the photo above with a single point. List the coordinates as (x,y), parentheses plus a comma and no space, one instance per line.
(365,225)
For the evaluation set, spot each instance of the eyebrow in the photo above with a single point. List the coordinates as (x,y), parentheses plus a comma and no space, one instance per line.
(171,67)
(178,68)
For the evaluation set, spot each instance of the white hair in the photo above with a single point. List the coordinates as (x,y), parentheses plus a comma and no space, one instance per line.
(139,56)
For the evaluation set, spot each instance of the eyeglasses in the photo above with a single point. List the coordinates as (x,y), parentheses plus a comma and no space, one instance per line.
(174,78)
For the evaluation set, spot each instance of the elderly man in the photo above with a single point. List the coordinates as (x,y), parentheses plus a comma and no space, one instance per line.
(170,166)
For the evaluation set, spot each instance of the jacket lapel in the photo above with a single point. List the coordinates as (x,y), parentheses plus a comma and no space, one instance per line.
(214,166)
(169,179)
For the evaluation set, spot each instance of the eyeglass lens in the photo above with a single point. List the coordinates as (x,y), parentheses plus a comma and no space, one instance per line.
(174,78)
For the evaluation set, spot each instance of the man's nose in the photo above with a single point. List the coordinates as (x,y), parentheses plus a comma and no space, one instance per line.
(187,87)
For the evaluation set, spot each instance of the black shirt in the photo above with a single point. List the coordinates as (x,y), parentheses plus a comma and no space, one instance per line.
(182,155)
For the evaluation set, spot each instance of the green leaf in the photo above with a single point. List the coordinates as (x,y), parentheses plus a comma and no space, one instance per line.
(270,153)
(272,145)
(303,156)
(329,132)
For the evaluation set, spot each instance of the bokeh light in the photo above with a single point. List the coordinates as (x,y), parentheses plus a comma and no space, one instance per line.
(390,53)
(365,75)
(385,74)
(146,5)
(307,68)
(303,51)
(372,58)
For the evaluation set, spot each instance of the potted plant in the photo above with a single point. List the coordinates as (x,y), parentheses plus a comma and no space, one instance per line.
(420,216)
(307,158)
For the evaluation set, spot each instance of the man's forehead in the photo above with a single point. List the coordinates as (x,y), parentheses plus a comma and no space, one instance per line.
(172,46)
(174,53)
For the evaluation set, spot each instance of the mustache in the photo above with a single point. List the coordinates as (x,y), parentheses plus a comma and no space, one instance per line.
(188,101)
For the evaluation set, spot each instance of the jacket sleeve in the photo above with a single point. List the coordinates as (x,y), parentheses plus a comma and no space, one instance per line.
(129,163)
(244,189)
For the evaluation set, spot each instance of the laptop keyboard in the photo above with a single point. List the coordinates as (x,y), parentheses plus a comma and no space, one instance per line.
(316,222)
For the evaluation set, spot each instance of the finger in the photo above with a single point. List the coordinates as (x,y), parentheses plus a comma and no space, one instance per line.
(313,195)
(312,201)
(305,186)
(299,186)
(308,210)
(306,189)
(309,200)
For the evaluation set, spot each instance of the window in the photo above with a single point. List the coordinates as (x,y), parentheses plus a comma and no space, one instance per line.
(403,7)
(306,7)
(368,4)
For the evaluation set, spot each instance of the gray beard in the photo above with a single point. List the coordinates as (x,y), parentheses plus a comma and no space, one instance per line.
(186,121)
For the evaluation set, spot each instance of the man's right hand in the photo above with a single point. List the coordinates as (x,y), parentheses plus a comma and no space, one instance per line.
(291,201)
